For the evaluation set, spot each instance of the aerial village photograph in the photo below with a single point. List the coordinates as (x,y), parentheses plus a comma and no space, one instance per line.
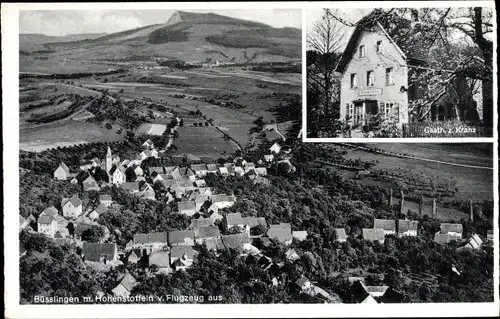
(161,161)
(400,72)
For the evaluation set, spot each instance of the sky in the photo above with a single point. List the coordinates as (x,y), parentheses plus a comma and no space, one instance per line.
(63,22)
(351,15)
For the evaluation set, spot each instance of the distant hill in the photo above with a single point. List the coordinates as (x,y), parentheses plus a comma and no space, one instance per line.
(29,42)
(188,36)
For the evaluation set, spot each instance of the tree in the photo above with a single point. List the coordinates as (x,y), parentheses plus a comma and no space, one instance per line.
(325,40)
(93,234)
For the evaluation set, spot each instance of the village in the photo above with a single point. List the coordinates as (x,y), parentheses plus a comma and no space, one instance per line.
(210,226)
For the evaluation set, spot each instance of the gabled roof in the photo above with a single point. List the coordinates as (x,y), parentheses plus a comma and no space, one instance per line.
(64,167)
(236,241)
(100,209)
(179,251)
(104,197)
(341,235)
(441,238)
(214,243)
(222,198)
(301,281)
(207,232)
(90,181)
(200,222)
(46,219)
(385,224)
(179,236)
(133,186)
(254,221)
(199,167)
(159,237)
(186,205)
(281,232)
(93,251)
(212,167)
(300,234)
(234,219)
(74,200)
(128,281)
(260,171)
(448,227)
(364,24)
(117,168)
(160,258)
(373,234)
(52,211)
(405,225)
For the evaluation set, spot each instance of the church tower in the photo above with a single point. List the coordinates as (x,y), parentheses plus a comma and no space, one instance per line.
(109,164)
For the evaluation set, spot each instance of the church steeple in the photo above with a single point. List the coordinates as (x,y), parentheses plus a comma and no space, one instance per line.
(109,163)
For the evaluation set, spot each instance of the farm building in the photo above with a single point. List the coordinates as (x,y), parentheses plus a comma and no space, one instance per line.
(341,235)
(387,225)
(407,227)
(160,260)
(127,283)
(186,208)
(181,238)
(236,242)
(300,235)
(102,253)
(451,229)
(374,234)
(150,242)
(105,200)
(181,257)
(282,233)
(203,234)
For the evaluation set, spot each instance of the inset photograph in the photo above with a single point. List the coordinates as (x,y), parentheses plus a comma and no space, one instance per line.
(399,73)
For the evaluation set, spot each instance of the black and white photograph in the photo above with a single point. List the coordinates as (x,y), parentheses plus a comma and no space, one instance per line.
(159,165)
(400,72)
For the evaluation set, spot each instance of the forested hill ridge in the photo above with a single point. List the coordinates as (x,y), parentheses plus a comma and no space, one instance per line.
(190,37)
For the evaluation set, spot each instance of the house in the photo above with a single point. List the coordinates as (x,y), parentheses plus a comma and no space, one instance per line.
(155,170)
(148,144)
(90,184)
(300,235)
(223,171)
(341,235)
(215,216)
(161,177)
(125,163)
(252,222)
(441,238)
(212,168)
(238,171)
(222,201)
(489,234)
(147,191)
(291,255)
(281,233)
(200,170)
(150,242)
(200,183)
(374,76)
(474,242)
(249,166)
(374,234)
(183,174)
(234,220)
(304,284)
(101,253)
(127,283)
(133,257)
(47,225)
(72,207)
(205,233)
(181,238)
(260,171)
(138,170)
(200,222)
(105,200)
(49,211)
(181,257)
(407,228)
(132,187)
(362,293)
(148,153)
(214,244)
(97,211)
(161,261)
(117,175)
(387,225)
(452,229)
(236,242)
(276,148)
(62,172)
(186,208)
(268,158)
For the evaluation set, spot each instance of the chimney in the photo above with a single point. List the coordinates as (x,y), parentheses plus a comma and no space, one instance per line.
(434,208)
(402,201)
(471,212)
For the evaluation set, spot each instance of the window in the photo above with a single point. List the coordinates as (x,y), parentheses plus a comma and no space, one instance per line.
(362,51)
(369,78)
(354,84)
(389,76)
(388,110)
(379,46)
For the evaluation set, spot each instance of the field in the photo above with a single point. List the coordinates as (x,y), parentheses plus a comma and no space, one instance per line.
(67,134)
(203,141)
(469,183)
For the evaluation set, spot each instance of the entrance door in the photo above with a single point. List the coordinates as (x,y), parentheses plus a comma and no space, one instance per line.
(371,108)
(358,113)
